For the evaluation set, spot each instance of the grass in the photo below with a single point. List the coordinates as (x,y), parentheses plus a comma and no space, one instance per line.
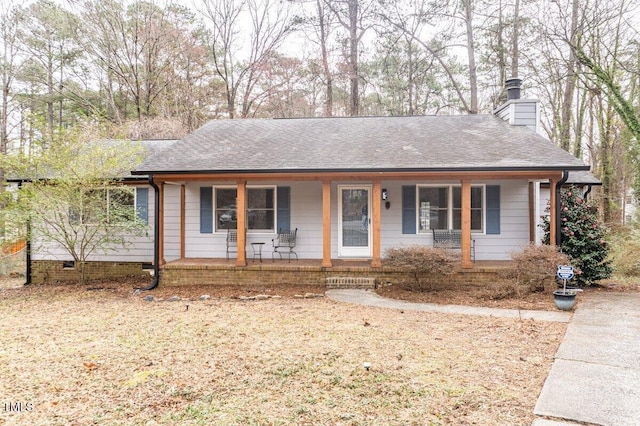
(108,357)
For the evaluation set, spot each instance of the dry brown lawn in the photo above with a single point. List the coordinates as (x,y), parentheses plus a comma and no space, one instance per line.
(105,356)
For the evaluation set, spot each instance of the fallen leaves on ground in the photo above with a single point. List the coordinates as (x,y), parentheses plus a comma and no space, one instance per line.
(106,356)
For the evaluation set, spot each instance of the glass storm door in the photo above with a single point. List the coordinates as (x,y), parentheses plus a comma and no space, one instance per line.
(354,222)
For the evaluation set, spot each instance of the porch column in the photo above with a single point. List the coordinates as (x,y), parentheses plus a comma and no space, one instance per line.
(532,212)
(183,197)
(326,224)
(465,244)
(241,204)
(377,197)
(552,211)
(161,224)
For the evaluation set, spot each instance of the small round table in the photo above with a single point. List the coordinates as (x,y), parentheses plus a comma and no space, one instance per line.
(257,251)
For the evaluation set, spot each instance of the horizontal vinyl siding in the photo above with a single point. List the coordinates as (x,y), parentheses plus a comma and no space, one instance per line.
(136,249)
(306,216)
(171,222)
(514,221)
(525,115)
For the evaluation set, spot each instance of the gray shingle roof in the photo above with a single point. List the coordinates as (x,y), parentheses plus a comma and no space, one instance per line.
(465,142)
(582,178)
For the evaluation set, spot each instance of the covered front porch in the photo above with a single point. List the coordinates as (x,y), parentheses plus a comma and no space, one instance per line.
(342,273)
(191,225)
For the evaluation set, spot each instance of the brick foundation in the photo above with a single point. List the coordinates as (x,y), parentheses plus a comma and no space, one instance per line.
(180,274)
(47,271)
(221,274)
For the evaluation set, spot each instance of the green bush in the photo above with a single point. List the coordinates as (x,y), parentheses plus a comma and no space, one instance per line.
(535,268)
(427,265)
(624,249)
(583,237)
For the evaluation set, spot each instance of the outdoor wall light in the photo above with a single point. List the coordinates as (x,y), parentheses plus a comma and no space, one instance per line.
(385,195)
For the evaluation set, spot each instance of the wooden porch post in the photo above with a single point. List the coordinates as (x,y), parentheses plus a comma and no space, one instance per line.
(377,197)
(183,197)
(161,224)
(466,224)
(532,213)
(241,214)
(552,211)
(326,224)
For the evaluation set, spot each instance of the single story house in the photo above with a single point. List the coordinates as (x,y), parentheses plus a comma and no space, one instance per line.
(351,187)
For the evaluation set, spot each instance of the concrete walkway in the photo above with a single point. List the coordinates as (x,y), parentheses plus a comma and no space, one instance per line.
(370,298)
(595,378)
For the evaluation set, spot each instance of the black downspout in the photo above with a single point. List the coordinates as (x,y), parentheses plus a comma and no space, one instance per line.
(565,176)
(586,194)
(28,253)
(27,248)
(156,235)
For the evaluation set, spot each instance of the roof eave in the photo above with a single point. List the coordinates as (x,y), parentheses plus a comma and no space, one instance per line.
(364,170)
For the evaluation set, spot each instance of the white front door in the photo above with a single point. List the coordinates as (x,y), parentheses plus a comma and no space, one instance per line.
(354,223)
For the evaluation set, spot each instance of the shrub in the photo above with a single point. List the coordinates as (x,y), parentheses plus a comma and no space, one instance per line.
(583,237)
(625,246)
(427,265)
(535,267)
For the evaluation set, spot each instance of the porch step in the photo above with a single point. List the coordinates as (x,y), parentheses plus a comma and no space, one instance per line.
(350,282)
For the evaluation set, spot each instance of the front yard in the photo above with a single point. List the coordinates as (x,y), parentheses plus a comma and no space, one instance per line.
(105,356)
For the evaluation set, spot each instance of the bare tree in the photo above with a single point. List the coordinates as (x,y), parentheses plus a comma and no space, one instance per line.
(353,16)
(240,63)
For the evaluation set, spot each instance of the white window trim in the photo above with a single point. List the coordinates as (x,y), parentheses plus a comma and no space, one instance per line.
(450,206)
(249,231)
(107,200)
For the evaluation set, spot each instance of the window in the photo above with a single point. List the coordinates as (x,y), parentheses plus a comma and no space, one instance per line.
(120,205)
(226,211)
(476,208)
(113,205)
(440,207)
(260,208)
(433,208)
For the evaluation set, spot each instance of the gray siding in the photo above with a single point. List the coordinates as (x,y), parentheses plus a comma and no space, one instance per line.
(520,112)
(306,215)
(137,249)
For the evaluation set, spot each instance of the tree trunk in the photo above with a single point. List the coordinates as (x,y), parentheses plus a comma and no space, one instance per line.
(567,101)
(328,104)
(473,75)
(353,56)
(515,48)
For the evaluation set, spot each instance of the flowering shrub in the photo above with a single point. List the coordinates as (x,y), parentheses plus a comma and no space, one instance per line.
(583,237)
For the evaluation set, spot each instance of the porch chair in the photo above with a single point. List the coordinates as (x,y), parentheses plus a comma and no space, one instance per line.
(284,240)
(232,240)
(451,239)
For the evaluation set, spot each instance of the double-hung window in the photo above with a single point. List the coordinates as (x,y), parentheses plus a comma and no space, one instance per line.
(440,207)
(261,208)
(114,205)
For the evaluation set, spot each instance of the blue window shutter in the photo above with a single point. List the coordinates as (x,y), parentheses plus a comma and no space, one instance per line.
(142,204)
(409,209)
(284,208)
(206,210)
(493,209)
